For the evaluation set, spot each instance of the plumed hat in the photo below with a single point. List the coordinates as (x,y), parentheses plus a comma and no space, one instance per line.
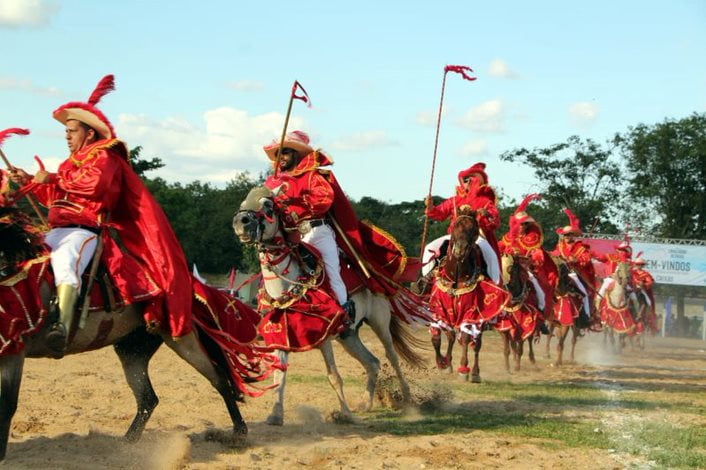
(87,113)
(573,226)
(297,140)
(477,169)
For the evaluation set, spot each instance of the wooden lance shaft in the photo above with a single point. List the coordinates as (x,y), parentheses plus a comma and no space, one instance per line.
(433,165)
(29,197)
(284,133)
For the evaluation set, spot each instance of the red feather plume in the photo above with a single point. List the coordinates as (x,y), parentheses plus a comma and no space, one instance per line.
(105,86)
(13,130)
(573,220)
(525,202)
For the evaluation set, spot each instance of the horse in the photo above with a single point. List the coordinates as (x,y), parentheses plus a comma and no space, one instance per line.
(522,312)
(125,330)
(613,299)
(568,301)
(258,223)
(458,298)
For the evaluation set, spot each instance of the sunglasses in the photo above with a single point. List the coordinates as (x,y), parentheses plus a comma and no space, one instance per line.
(287,151)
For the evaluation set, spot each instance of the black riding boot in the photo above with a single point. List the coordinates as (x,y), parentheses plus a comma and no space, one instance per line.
(349,309)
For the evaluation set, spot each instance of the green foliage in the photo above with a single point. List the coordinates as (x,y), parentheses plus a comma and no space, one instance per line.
(579,174)
(141,166)
(666,165)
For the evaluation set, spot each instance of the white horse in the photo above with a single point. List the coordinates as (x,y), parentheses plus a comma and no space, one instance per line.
(258,223)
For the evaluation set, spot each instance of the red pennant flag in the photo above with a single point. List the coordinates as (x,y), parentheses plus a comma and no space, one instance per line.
(304,97)
(460,69)
(13,130)
(231,279)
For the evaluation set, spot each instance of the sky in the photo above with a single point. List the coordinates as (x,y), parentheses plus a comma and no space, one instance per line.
(204,85)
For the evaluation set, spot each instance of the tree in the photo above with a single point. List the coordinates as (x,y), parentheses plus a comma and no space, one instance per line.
(666,165)
(141,166)
(579,174)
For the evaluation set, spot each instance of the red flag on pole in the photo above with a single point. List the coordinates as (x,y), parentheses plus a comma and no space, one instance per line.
(461,69)
(304,97)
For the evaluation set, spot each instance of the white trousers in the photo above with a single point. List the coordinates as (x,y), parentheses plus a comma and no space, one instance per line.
(323,239)
(71,251)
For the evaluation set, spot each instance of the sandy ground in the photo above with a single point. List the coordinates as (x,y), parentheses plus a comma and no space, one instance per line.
(73,413)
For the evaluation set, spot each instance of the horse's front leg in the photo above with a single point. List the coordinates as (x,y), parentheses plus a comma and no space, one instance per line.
(441,363)
(450,341)
(11,377)
(276,417)
(475,372)
(547,352)
(464,340)
(563,331)
(506,349)
(518,353)
(370,363)
(574,339)
(334,378)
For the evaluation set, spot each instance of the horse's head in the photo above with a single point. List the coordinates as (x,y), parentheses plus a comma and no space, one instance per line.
(464,234)
(565,284)
(622,274)
(513,267)
(460,261)
(256,220)
(19,240)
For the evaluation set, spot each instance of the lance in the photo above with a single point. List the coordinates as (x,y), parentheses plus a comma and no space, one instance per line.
(293,96)
(460,69)
(3,135)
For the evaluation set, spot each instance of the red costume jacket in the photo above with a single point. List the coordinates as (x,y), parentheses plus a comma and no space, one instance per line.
(477,197)
(311,192)
(96,187)
(578,256)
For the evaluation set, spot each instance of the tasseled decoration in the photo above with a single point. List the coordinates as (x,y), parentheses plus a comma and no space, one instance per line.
(13,130)
(105,86)
(573,220)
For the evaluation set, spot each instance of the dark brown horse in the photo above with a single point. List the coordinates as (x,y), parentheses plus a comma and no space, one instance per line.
(458,276)
(522,308)
(124,329)
(567,298)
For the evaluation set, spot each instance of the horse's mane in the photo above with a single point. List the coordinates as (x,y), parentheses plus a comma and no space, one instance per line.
(20,239)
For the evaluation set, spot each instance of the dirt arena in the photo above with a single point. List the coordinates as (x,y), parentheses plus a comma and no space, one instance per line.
(592,414)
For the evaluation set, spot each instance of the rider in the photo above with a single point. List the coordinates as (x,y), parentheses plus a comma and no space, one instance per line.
(643,282)
(578,256)
(306,195)
(96,189)
(473,191)
(525,238)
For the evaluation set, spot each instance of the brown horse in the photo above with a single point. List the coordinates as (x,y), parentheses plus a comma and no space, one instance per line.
(568,301)
(520,320)
(124,329)
(457,297)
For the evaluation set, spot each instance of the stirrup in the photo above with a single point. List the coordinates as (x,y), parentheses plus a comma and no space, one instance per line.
(543,328)
(349,308)
(56,340)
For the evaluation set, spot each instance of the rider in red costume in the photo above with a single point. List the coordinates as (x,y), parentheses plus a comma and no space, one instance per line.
(578,256)
(473,191)
(96,189)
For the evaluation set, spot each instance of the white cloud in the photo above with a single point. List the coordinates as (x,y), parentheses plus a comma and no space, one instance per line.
(246,85)
(475,148)
(227,141)
(18,84)
(499,68)
(32,13)
(363,141)
(488,117)
(583,113)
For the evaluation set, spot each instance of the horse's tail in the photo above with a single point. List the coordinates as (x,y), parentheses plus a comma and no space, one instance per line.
(404,340)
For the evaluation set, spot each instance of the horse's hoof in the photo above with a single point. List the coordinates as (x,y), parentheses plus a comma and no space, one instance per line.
(340,417)
(475,379)
(274,420)
(442,363)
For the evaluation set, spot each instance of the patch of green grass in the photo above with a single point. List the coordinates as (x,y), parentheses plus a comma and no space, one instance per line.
(320,379)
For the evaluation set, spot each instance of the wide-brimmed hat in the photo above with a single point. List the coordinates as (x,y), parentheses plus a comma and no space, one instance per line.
(573,227)
(297,140)
(87,113)
(639,261)
(477,169)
